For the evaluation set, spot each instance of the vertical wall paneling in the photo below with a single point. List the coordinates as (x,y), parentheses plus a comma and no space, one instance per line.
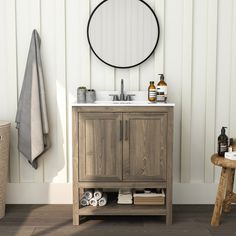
(134,79)
(8,78)
(28,18)
(78,59)
(148,68)
(173,71)
(53,55)
(223,68)
(83,12)
(196,51)
(160,53)
(134,72)
(186,91)
(210,103)
(232,123)
(198,90)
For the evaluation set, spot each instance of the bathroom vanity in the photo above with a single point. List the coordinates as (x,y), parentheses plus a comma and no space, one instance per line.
(122,145)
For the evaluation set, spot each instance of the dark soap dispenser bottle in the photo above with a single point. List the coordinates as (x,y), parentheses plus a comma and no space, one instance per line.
(222,142)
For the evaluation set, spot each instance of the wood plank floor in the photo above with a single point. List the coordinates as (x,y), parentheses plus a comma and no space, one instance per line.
(43,220)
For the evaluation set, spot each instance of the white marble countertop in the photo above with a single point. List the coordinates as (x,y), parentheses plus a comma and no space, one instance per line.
(140,100)
(123,103)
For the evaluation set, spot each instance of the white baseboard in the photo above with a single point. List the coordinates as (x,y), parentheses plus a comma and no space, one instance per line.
(61,193)
(39,193)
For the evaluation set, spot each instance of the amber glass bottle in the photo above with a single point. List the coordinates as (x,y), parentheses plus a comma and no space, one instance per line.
(162,89)
(152,93)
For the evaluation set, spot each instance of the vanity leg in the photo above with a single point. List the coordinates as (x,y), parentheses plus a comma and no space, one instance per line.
(76,201)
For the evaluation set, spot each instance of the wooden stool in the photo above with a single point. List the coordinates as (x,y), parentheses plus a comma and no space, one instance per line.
(225,195)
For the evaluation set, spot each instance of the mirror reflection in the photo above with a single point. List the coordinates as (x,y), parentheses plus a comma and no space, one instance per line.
(123,33)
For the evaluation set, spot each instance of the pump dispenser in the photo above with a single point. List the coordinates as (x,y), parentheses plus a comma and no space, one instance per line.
(162,89)
(222,142)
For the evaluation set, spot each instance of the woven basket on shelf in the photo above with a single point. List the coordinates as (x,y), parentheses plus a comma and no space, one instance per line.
(4,159)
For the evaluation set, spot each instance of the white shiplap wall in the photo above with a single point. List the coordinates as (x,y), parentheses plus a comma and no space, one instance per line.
(196,52)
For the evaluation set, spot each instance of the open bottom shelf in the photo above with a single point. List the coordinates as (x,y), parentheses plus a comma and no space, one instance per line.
(116,209)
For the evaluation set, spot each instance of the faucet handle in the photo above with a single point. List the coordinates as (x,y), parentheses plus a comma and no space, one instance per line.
(129,97)
(114,97)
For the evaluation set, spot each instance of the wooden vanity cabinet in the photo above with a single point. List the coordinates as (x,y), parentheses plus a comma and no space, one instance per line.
(122,147)
(100,147)
(144,146)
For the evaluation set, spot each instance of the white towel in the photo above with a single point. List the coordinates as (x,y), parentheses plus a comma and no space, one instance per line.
(93,202)
(84,202)
(97,194)
(103,201)
(88,194)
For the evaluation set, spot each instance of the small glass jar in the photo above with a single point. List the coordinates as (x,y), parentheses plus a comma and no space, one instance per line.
(81,95)
(90,96)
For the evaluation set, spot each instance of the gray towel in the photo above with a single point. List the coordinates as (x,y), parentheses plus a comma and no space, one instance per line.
(31,117)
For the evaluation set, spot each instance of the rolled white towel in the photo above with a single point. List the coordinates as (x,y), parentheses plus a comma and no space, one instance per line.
(88,194)
(84,202)
(97,194)
(103,201)
(93,202)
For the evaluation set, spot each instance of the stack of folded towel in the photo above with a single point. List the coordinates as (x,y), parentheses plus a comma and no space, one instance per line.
(94,197)
(125,196)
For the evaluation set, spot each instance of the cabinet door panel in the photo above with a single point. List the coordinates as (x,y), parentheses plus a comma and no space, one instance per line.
(100,146)
(144,147)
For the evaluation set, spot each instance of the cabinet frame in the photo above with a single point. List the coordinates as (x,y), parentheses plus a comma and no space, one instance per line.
(79,186)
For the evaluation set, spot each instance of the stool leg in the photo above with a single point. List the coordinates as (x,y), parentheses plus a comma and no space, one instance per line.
(220,197)
(229,191)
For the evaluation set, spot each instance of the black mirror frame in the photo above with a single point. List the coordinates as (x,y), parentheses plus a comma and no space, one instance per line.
(125,67)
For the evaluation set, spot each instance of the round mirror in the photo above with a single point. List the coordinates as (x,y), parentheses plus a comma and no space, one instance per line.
(123,33)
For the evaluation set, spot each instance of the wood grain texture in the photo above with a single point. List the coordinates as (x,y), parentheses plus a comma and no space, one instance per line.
(27,220)
(100,146)
(144,148)
(230,196)
(126,184)
(123,210)
(169,166)
(215,221)
(75,145)
(147,139)
(223,162)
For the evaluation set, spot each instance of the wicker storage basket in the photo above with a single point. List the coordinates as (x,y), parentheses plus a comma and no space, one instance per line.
(4,159)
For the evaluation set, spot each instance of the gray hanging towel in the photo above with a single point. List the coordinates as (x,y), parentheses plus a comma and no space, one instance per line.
(31,117)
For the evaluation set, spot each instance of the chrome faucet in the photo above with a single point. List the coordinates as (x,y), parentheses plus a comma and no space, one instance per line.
(122,96)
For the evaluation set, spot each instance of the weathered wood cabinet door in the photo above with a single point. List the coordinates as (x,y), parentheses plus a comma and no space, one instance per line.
(144,146)
(100,146)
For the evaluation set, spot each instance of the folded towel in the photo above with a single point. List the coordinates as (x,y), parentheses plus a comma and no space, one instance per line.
(31,117)
(84,202)
(88,194)
(125,202)
(97,194)
(103,201)
(93,202)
